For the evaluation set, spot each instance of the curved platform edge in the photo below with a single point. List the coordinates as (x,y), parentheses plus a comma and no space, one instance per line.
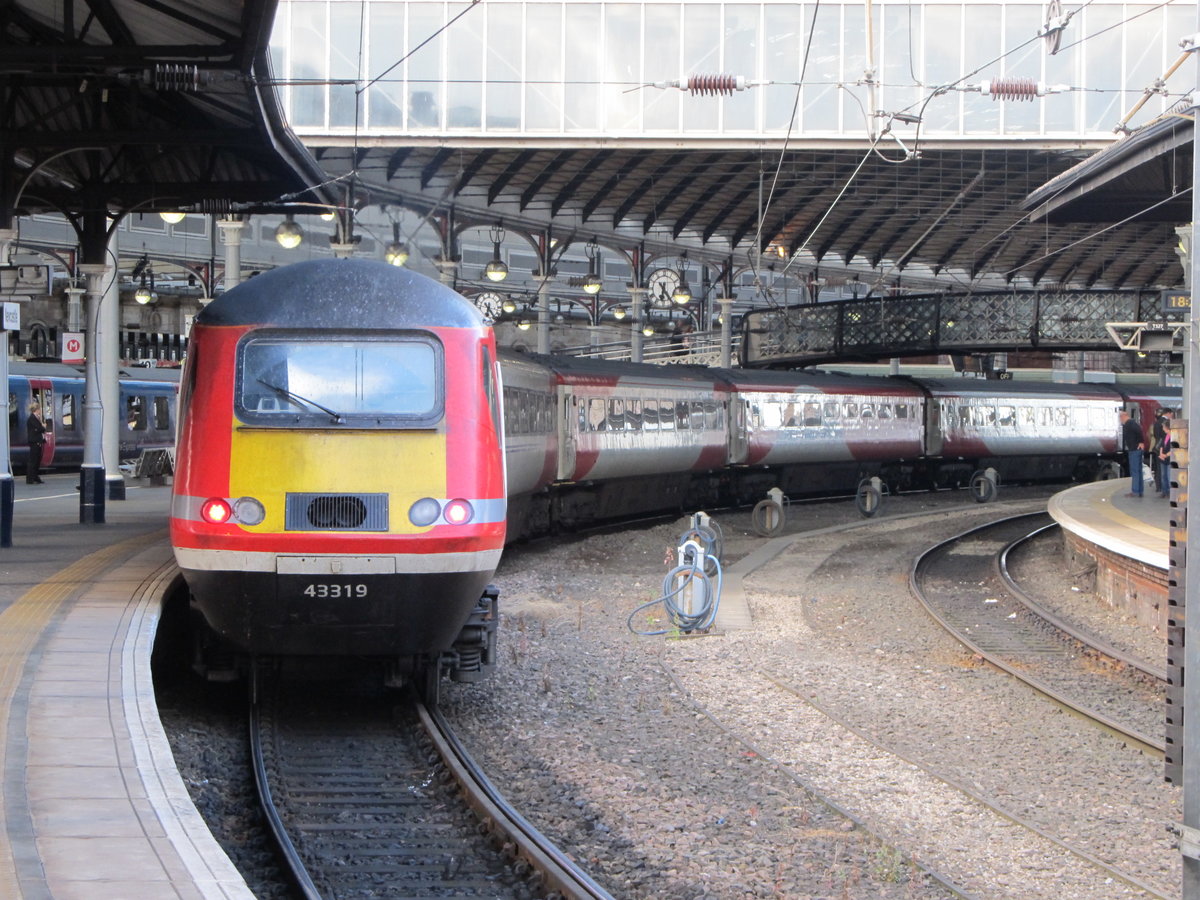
(208,866)
(1127,539)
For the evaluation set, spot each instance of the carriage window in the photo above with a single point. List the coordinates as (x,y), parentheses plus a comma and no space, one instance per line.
(285,381)
(1005,416)
(789,416)
(597,416)
(682,411)
(850,410)
(832,413)
(66,418)
(616,415)
(650,415)
(162,414)
(12,414)
(712,415)
(868,411)
(1062,416)
(666,415)
(901,410)
(633,415)
(697,415)
(135,414)
(812,413)
(885,410)
(1027,416)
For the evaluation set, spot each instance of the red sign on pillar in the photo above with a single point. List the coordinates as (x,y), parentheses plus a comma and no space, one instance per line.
(72,347)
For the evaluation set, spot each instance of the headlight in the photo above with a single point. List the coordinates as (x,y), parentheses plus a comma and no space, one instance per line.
(248,511)
(458,512)
(424,512)
(216,511)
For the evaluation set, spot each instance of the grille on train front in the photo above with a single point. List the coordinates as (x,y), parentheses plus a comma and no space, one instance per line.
(336,512)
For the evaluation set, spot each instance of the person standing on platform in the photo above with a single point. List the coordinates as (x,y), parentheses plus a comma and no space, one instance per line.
(35,437)
(1133,440)
(1162,470)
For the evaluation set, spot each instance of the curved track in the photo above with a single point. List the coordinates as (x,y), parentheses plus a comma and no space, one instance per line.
(369,796)
(959,583)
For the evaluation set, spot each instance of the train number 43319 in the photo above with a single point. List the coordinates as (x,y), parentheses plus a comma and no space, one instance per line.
(335,591)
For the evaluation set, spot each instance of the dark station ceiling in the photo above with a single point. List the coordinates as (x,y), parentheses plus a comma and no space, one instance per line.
(149,105)
(145,105)
(954,213)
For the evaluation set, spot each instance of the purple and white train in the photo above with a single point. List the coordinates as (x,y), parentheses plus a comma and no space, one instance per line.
(588,440)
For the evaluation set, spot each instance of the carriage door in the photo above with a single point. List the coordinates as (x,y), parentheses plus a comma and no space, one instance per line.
(738,442)
(933,427)
(568,429)
(43,395)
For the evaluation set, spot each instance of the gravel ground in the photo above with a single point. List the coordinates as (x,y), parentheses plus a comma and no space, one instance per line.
(774,761)
(680,767)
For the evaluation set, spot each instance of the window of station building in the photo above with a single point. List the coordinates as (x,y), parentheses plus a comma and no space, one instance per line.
(162,414)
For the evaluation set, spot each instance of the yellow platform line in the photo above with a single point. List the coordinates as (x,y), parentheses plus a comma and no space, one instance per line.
(21,626)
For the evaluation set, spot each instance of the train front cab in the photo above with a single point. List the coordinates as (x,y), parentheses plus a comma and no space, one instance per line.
(313,518)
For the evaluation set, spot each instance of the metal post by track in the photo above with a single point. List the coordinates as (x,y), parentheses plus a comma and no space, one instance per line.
(1190,833)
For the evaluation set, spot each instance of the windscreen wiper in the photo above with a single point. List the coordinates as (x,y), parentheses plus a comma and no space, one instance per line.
(338,418)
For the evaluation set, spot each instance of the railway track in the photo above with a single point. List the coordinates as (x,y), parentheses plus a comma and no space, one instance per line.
(961,583)
(372,795)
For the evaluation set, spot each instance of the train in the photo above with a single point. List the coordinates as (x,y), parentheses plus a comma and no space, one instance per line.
(147,399)
(354,454)
(339,484)
(588,440)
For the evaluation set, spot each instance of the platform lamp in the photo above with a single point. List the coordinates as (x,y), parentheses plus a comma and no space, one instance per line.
(497,268)
(396,253)
(172,217)
(289,235)
(145,293)
(592,283)
(682,293)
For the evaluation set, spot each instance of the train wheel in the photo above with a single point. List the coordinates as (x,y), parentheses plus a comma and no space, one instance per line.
(1108,471)
(983,486)
(767,518)
(869,497)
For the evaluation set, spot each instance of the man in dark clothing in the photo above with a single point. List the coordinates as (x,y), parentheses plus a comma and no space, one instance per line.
(35,437)
(1133,440)
(1162,452)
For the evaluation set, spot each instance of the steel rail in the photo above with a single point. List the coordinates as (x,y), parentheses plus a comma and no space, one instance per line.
(1144,742)
(559,873)
(1087,638)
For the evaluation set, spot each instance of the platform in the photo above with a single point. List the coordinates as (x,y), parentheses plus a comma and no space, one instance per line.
(93,806)
(1126,538)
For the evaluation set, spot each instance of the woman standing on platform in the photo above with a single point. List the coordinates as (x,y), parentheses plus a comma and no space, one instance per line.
(35,437)
(1133,439)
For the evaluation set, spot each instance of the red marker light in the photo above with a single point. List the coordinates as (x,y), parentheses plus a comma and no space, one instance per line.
(458,512)
(215,511)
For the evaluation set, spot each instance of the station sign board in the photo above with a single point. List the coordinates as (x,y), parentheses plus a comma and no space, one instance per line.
(72,348)
(1176,301)
(28,279)
(12,317)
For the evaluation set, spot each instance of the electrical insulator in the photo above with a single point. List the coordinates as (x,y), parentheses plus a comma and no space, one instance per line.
(1018,88)
(706,85)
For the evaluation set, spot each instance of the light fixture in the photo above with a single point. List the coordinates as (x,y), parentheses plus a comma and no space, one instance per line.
(509,305)
(496,269)
(648,330)
(144,294)
(682,294)
(618,313)
(289,235)
(396,253)
(592,283)
(172,218)
(328,216)
(523,324)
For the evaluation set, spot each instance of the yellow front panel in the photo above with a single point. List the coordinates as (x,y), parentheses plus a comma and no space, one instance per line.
(269,463)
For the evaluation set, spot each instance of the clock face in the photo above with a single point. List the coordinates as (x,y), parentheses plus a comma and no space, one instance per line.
(661,283)
(489,303)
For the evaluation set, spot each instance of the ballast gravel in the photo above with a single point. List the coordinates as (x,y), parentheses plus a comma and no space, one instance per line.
(840,746)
